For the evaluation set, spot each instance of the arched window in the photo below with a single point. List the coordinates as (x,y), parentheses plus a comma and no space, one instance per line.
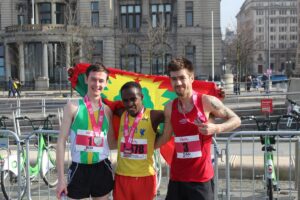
(131,58)
(160,58)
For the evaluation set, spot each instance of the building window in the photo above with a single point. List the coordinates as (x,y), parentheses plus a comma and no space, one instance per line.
(2,72)
(272,21)
(131,58)
(45,13)
(71,13)
(259,29)
(273,29)
(282,12)
(21,19)
(131,17)
(259,12)
(282,45)
(282,29)
(272,45)
(293,45)
(293,37)
(60,14)
(260,21)
(95,13)
(273,12)
(273,37)
(293,28)
(282,20)
(161,14)
(159,63)
(282,37)
(190,53)
(293,20)
(293,12)
(189,13)
(98,51)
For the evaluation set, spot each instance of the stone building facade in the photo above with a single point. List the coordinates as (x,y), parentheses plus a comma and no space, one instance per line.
(38,42)
(297,71)
(273,25)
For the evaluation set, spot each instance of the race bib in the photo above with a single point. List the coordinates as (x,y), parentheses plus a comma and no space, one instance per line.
(89,141)
(188,147)
(136,151)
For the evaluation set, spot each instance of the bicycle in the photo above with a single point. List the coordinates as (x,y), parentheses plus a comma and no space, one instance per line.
(3,122)
(4,142)
(45,163)
(268,141)
(293,114)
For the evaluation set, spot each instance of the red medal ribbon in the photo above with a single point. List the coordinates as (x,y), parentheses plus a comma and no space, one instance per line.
(199,113)
(97,127)
(128,134)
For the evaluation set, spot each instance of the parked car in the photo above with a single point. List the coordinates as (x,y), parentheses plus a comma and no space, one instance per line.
(276,78)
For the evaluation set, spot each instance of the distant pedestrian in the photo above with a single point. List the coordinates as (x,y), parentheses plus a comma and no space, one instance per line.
(11,91)
(236,86)
(17,86)
(264,79)
(248,82)
(256,83)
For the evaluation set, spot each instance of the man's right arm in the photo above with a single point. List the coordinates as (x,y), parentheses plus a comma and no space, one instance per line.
(167,133)
(69,113)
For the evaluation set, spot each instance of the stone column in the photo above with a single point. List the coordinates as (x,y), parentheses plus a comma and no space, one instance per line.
(42,82)
(7,62)
(228,79)
(21,62)
(68,60)
(45,60)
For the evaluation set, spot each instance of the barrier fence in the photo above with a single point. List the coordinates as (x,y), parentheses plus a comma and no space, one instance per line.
(238,176)
(44,166)
(7,137)
(245,161)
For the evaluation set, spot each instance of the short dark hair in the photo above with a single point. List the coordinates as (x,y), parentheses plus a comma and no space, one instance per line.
(180,63)
(131,84)
(98,67)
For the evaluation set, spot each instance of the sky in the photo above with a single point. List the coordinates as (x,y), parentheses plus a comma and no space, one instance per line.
(229,9)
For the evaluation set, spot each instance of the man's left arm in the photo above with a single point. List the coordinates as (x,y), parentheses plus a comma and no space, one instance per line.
(112,143)
(213,106)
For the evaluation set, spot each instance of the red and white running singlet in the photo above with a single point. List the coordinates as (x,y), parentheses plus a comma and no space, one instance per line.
(191,159)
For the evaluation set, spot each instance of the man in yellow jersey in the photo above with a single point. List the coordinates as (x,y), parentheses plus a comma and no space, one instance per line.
(87,122)
(135,175)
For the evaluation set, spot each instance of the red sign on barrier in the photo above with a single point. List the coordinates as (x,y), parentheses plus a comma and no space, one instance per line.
(266,105)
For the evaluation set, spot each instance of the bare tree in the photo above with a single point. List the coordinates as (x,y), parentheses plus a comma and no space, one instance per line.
(77,35)
(157,38)
(239,51)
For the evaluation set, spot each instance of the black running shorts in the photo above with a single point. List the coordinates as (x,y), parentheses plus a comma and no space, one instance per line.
(190,190)
(90,180)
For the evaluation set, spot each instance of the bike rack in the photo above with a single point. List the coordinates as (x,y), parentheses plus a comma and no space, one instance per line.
(27,140)
(17,139)
(259,133)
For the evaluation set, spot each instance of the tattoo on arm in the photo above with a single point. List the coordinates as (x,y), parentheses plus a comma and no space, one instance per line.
(219,110)
(216,105)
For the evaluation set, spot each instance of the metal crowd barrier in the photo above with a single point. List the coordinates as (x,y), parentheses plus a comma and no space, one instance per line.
(247,145)
(48,192)
(5,144)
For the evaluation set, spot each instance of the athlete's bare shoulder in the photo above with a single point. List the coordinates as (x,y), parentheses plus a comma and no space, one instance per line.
(71,108)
